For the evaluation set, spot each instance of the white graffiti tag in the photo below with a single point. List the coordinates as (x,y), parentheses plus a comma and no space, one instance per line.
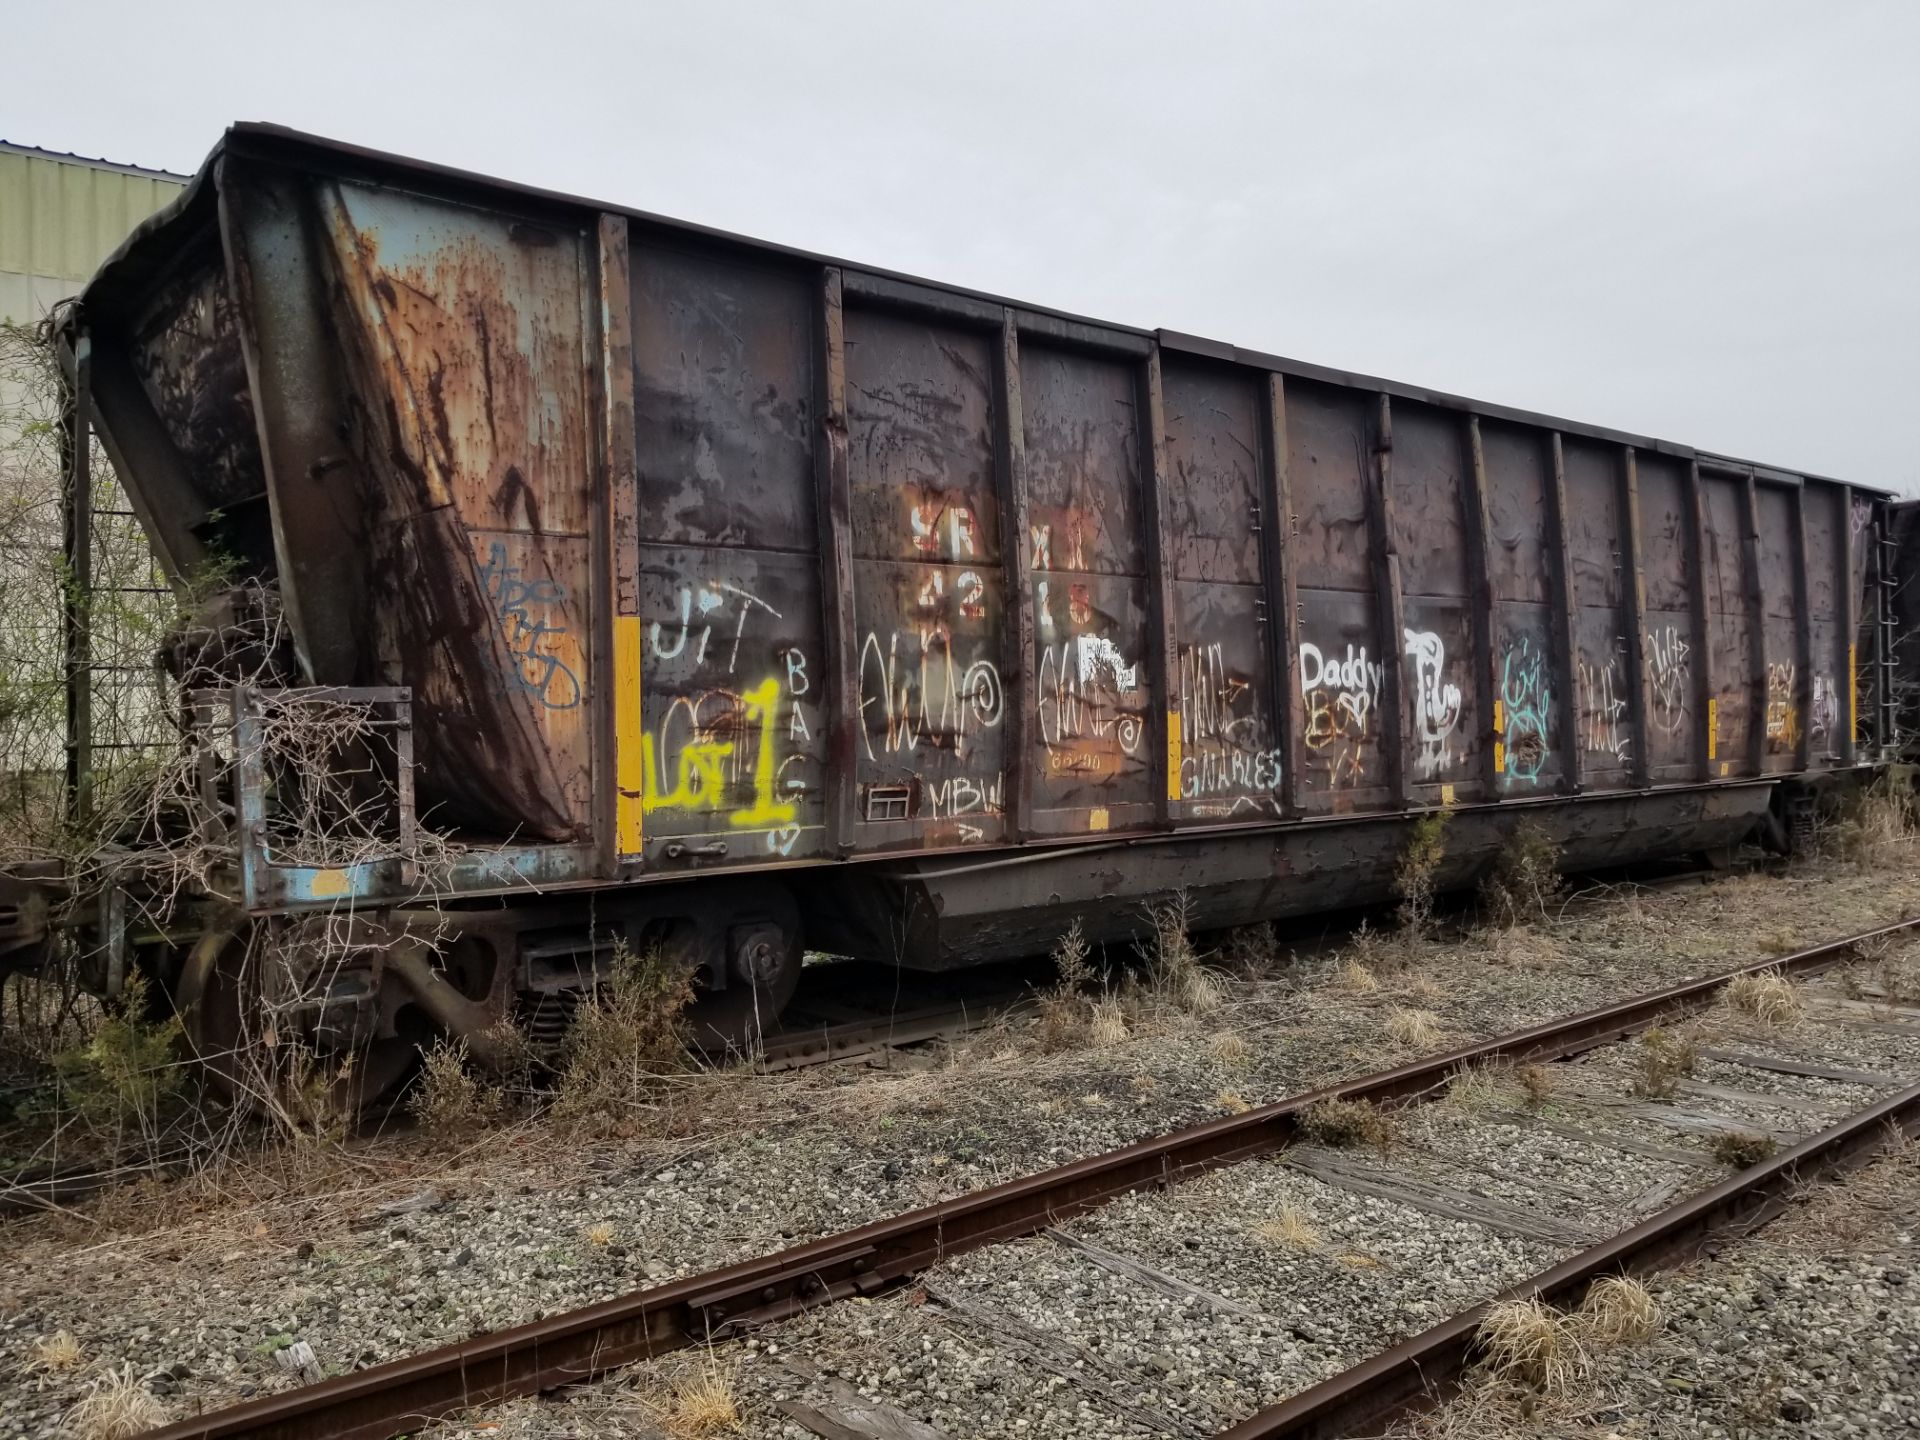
(1436,703)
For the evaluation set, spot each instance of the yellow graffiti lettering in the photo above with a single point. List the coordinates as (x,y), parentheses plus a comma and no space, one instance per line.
(761,702)
(700,785)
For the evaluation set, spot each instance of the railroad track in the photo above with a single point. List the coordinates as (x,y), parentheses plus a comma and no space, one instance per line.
(1633,1188)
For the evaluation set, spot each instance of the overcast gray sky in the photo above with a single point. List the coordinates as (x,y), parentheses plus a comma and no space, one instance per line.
(1695,220)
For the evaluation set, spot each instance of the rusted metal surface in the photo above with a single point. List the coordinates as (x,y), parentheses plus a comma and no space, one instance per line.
(1230,761)
(699,554)
(1421,1370)
(1096,715)
(566,1349)
(927,732)
(1904,524)
(1434,522)
(1667,638)
(949,911)
(1634,595)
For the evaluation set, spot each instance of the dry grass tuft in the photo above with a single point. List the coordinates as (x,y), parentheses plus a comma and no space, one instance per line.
(1108,1026)
(447,1095)
(1354,978)
(1426,989)
(1536,1084)
(1232,1102)
(1290,1227)
(1530,1345)
(1876,822)
(1415,1029)
(1479,1088)
(116,1407)
(1174,971)
(1661,1060)
(1768,997)
(1493,1084)
(55,1354)
(703,1405)
(1740,1149)
(1619,1310)
(1202,992)
(1899,978)
(1229,1049)
(600,1233)
(1144,1085)
(1340,1124)
(1065,1011)
(628,1040)
(1521,947)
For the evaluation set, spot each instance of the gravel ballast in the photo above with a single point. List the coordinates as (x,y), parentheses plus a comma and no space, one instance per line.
(410,1242)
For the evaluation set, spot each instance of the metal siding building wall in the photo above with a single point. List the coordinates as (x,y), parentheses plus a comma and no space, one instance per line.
(60,216)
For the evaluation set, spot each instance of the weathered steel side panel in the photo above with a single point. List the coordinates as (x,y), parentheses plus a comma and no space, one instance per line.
(471,354)
(1826,715)
(1230,764)
(1445,694)
(929,583)
(1093,704)
(1785,715)
(734,730)
(1525,722)
(187,354)
(1603,691)
(1733,707)
(1666,529)
(318,526)
(1342,761)
(1861,542)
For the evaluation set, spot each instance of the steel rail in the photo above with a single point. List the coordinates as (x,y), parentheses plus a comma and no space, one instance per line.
(402,1395)
(1420,1371)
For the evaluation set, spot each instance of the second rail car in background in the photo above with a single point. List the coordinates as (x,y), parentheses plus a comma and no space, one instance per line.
(750,599)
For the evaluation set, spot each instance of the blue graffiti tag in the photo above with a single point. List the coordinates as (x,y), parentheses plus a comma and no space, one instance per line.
(1528,703)
(524,609)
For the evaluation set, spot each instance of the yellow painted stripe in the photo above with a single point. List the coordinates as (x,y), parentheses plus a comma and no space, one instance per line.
(629,768)
(1173,754)
(1853,692)
(1499,758)
(329,884)
(1713,729)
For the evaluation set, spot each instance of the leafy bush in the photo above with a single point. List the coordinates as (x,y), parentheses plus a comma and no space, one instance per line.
(1524,879)
(628,1037)
(130,1072)
(1416,879)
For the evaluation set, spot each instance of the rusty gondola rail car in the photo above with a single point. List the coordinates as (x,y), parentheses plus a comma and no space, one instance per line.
(747,599)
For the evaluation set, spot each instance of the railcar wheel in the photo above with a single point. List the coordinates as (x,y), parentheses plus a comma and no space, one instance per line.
(263,1044)
(746,973)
